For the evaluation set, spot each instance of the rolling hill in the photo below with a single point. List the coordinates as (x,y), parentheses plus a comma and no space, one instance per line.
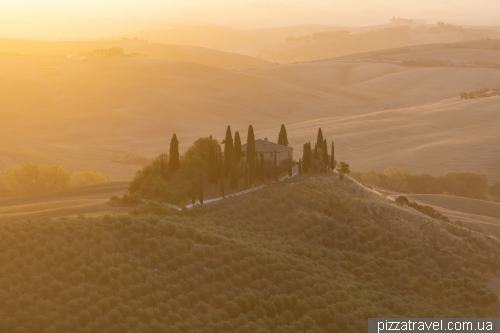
(200,55)
(109,115)
(472,52)
(316,252)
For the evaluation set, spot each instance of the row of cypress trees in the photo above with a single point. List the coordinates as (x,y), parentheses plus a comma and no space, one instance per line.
(319,153)
(221,165)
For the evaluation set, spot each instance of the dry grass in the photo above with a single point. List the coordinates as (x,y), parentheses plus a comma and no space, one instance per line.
(407,222)
(95,115)
(89,200)
(204,56)
(479,215)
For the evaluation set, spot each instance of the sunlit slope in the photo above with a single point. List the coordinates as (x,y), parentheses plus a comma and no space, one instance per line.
(249,42)
(477,214)
(194,54)
(479,52)
(454,135)
(89,201)
(110,115)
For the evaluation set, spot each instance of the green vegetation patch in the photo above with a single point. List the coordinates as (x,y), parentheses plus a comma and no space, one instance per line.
(287,259)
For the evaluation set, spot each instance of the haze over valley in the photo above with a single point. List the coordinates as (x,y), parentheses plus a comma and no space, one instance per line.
(279,166)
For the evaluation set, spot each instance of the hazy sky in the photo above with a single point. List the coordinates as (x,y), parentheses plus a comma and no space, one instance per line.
(59,18)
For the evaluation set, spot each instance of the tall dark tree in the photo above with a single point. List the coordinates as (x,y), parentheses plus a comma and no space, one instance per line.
(319,142)
(246,174)
(300,167)
(174,161)
(290,167)
(306,156)
(219,165)
(201,188)
(257,167)
(237,146)
(221,174)
(228,149)
(325,154)
(282,137)
(193,190)
(222,187)
(262,171)
(233,177)
(250,154)
(333,164)
(212,167)
(275,166)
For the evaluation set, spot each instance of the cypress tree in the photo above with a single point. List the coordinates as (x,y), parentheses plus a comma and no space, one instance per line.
(325,153)
(290,167)
(193,198)
(305,157)
(310,154)
(332,160)
(222,187)
(319,142)
(228,149)
(253,171)
(262,171)
(275,167)
(257,168)
(212,167)
(201,188)
(221,167)
(246,174)
(174,161)
(300,167)
(237,146)
(282,137)
(233,177)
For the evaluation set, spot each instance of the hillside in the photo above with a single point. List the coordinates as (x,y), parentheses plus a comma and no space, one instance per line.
(248,42)
(434,139)
(110,115)
(316,254)
(200,55)
(479,215)
(480,52)
(88,201)
(314,42)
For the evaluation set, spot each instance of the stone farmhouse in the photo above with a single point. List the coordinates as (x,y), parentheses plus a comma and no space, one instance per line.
(267,149)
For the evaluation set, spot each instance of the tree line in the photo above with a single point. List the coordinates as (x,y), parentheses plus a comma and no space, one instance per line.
(318,159)
(476,94)
(462,184)
(88,39)
(34,178)
(174,177)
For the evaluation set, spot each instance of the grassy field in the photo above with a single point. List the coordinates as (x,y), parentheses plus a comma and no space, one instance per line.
(88,201)
(199,55)
(478,215)
(112,115)
(312,252)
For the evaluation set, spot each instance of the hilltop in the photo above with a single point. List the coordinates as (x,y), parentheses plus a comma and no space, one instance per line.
(315,42)
(139,48)
(472,53)
(316,253)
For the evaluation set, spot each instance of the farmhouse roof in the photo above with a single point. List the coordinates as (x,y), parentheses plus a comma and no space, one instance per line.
(265,146)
